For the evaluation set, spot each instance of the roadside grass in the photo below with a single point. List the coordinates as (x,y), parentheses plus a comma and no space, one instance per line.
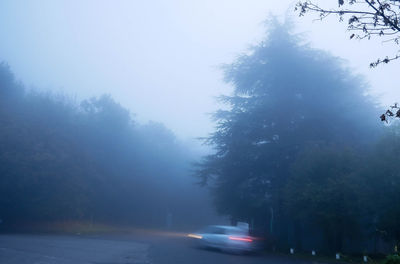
(87,228)
(65,227)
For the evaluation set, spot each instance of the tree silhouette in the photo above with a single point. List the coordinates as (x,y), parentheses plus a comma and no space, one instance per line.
(366,19)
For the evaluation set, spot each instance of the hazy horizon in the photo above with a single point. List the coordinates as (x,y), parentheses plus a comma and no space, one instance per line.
(160,59)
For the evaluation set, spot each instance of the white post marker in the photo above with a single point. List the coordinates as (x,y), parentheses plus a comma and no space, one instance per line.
(365,259)
(313,252)
(291,251)
(337,256)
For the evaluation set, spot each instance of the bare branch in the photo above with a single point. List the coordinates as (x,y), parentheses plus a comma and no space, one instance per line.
(371,18)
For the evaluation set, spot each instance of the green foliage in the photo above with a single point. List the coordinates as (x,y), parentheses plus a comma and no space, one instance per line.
(62,161)
(392,259)
(294,149)
(286,95)
(322,192)
(347,193)
(381,175)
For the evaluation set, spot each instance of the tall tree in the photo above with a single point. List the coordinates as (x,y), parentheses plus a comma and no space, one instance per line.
(285,96)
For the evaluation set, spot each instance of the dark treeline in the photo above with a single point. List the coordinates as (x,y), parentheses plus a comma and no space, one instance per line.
(300,153)
(61,161)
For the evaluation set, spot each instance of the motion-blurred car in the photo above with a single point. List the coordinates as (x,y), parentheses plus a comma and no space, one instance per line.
(231,239)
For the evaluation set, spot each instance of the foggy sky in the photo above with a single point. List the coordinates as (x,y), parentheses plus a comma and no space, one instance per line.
(160,58)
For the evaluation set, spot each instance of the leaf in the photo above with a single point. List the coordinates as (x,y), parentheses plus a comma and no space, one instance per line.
(352,36)
(389,113)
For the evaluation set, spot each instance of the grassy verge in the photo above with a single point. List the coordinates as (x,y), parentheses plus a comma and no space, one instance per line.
(61,227)
(87,228)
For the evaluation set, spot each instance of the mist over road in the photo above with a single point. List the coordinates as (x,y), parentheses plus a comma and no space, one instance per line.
(118,249)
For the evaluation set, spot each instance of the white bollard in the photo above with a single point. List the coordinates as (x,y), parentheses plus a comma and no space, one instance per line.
(291,251)
(313,252)
(365,259)
(337,256)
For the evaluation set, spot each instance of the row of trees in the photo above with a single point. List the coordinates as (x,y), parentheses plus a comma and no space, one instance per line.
(88,161)
(352,199)
(296,152)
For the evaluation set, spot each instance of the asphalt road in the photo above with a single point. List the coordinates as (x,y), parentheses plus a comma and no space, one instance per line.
(118,249)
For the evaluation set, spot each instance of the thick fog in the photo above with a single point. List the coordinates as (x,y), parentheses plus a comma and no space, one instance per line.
(160,59)
(177,114)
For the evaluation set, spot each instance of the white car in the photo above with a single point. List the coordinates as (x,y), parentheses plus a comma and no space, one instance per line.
(227,238)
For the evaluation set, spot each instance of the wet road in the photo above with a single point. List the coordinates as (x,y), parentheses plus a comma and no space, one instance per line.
(117,249)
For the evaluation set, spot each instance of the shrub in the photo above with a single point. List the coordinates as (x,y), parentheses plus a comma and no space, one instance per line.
(392,259)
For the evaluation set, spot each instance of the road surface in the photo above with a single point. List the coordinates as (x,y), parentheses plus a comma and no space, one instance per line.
(118,249)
